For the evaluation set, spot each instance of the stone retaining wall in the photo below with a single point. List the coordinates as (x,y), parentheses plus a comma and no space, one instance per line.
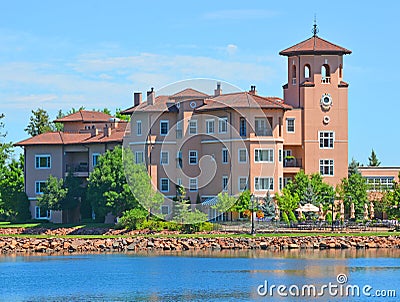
(10,245)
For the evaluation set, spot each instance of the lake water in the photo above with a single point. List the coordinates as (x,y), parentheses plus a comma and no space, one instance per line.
(209,276)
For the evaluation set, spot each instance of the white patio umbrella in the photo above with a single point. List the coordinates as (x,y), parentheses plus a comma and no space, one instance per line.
(308,207)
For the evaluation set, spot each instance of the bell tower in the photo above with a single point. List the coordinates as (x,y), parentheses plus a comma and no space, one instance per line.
(316,131)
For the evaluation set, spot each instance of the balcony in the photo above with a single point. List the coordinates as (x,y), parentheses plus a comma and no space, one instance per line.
(81,170)
(292,162)
(292,165)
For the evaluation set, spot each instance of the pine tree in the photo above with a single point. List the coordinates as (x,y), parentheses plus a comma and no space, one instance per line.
(309,196)
(353,167)
(268,206)
(373,159)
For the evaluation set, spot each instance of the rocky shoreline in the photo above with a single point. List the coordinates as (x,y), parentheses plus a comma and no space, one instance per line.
(55,245)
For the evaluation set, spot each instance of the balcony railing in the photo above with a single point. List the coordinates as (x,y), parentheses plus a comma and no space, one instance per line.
(80,170)
(292,162)
(263,132)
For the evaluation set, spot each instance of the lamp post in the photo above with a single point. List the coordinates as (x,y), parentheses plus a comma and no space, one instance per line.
(333,203)
(252,214)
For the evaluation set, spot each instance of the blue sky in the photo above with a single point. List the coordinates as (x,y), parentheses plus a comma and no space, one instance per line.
(62,54)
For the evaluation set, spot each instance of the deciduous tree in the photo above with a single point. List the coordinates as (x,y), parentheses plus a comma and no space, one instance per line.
(39,123)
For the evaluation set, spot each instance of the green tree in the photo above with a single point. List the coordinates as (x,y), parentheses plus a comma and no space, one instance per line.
(39,123)
(373,159)
(243,202)
(141,186)
(288,201)
(267,205)
(108,190)
(391,201)
(225,202)
(354,190)
(53,195)
(353,167)
(14,204)
(121,116)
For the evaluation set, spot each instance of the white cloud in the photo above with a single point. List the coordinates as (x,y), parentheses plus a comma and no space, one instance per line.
(231,49)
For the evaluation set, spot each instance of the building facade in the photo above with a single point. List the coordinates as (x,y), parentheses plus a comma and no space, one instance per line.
(236,141)
(76,149)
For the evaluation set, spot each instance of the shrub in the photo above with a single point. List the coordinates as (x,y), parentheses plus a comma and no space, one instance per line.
(329,217)
(132,219)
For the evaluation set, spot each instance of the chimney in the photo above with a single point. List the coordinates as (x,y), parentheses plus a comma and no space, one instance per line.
(218,91)
(253,90)
(137,99)
(94,131)
(107,131)
(151,95)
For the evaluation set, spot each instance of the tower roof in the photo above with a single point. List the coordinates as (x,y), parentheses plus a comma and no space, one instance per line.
(315,45)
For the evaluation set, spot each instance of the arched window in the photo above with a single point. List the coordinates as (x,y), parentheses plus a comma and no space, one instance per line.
(294,74)
(325,74)
(306,71)
(340,71)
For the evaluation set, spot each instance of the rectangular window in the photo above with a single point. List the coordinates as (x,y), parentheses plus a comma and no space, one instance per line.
(164,185)
(261,126)
(290,125)
(164,210)
(210,126)
(379,183)
(286,180)
(178,129)
(193,127)
(164,158)
(42,161)
(280,155)
(41,213)
(263,183)
(280,127)
(139,128)
(95,159)
(223,125)
(39,186)
(164,128)
(326,139)
(225,156)
(242,183)
(192,157)
(287,153)
(326,167)
(139,157)
(179,181)
(243,124)
(280,183)
(264,155)
(179,160)
(224,183)
(192,184)
(242,155)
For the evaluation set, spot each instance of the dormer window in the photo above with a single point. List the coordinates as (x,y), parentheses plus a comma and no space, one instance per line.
(306,71)
(325,74)
(294,75)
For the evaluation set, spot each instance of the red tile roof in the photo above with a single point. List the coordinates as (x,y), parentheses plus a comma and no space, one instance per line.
(71,138)
(243,100)
(162,103)
(188,93)
(85,116)
(315,45)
